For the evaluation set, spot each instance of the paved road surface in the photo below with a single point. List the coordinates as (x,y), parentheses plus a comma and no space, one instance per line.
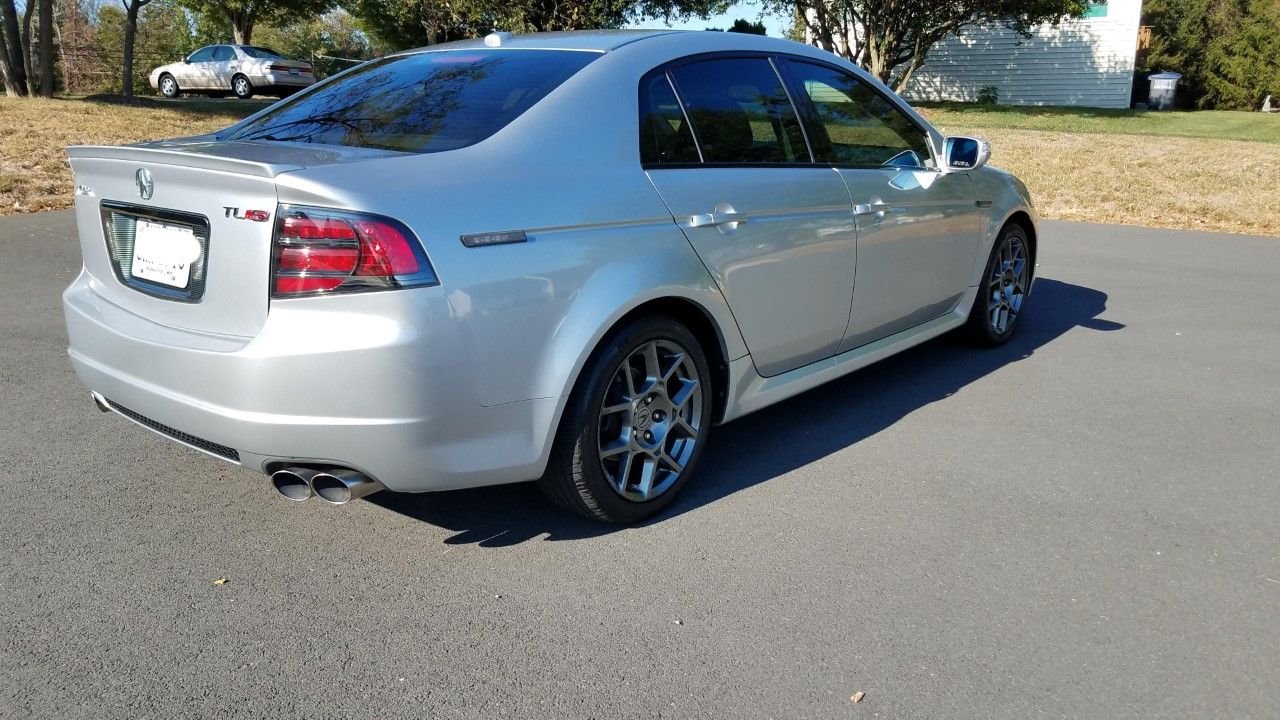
(1085,523)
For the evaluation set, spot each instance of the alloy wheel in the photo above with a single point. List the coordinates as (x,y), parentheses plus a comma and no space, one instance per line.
(650,420)
(1007,284)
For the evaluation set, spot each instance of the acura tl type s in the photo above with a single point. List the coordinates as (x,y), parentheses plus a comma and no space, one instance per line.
(560,257)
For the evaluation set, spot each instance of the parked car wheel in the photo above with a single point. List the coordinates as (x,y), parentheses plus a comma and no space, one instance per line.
(1003,288)
(169,86)
(241,86)
(635,425)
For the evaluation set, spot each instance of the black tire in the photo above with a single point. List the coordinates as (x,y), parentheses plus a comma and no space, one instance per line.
(169,86)
(241,87)
(576,477)
(1003,288)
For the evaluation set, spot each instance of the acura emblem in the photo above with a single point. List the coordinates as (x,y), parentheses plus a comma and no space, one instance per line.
(145,186)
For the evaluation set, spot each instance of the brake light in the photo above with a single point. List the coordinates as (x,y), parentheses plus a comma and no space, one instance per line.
(317,250)
(278,68)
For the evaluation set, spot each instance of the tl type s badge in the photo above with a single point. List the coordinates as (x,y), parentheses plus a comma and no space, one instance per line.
(238,214)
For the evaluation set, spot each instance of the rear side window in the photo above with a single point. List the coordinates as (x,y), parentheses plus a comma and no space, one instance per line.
(259,53)
(740,111)
(423,103)
(664,132)
(222,52)
(855,124)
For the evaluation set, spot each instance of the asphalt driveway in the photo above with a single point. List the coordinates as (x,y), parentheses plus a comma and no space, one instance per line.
(1084,523)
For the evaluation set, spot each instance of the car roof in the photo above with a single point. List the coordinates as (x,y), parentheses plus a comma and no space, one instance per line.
(595,40)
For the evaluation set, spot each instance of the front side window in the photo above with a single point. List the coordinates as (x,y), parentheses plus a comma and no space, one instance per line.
(222,53)
(204,54)
(422,103)
(855,125)
(740,111)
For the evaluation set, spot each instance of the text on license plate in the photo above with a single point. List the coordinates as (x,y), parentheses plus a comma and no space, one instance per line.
(164,253)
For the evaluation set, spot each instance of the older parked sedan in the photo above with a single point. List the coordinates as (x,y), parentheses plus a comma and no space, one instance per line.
(239,69)
(561,257)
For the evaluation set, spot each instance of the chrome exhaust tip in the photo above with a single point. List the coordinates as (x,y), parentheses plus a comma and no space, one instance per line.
(340,486)
(294,483)
(101,402)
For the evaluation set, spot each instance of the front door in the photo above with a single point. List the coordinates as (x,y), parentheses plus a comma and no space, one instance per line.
(775,231)
(917,226)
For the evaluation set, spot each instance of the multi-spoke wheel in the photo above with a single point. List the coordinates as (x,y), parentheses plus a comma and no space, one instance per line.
(1004,288)
(635,425)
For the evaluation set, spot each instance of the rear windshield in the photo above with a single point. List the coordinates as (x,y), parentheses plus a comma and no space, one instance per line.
(427,102)
(260,53)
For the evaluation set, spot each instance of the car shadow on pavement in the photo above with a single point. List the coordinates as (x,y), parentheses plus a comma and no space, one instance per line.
(780,438)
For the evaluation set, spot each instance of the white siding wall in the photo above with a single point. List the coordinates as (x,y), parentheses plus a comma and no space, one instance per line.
(1085,62)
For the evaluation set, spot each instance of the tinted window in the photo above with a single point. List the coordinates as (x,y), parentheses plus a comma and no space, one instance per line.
(201,55)
(222,52)
(260,53)
(740,111)
(856,124)
(664,133)
(425,102)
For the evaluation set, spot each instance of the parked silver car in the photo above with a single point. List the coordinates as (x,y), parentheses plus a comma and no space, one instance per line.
(560,257)
(239,69)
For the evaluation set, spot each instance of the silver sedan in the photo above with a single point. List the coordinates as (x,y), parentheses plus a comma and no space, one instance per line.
(561,257)
(239,69)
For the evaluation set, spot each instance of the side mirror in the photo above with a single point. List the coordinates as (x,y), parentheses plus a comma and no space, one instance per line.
(966,153)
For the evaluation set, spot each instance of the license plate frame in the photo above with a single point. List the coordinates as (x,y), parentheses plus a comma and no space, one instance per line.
(120,223)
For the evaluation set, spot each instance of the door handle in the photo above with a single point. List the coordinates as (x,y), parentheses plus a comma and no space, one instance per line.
(875,208)
(716,219)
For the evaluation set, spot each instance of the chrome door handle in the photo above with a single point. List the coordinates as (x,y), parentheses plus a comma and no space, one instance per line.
(875,208)
(716,219)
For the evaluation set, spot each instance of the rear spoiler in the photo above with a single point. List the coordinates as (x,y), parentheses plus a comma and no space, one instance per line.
(205,156)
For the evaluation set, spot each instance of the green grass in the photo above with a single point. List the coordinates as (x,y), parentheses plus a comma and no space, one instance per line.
(1217,125)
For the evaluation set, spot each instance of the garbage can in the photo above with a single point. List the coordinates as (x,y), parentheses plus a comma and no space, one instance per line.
(1163,88)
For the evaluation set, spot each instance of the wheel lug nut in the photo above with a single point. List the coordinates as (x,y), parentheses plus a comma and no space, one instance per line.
(648,400)
(648,436)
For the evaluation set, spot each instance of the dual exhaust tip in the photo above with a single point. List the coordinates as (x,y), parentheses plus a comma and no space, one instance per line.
(337,486)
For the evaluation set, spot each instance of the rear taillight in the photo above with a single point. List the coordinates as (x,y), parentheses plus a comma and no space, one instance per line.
(317,250)
(278,68)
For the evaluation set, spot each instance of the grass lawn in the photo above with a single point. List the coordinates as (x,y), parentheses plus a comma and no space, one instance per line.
(1202,170)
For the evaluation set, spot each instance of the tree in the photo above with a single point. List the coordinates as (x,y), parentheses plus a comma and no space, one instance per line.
(131,9)
(891,39)
(745,26)
(46,47)
(244,15)
(411,23)
(323,39)
(13,65)
(1228,51)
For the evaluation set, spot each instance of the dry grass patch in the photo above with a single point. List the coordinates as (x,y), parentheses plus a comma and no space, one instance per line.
(1169,182)
(34,174)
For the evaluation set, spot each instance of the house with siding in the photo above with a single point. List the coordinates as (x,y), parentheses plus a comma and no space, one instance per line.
(1087,61)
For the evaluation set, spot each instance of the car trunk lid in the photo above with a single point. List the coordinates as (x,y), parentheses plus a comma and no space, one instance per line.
(180,232)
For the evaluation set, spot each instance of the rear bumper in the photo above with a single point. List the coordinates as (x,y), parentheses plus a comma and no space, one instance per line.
(373,382)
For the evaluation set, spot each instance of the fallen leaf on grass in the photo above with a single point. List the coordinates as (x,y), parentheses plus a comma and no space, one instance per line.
(857,697)
(220,581)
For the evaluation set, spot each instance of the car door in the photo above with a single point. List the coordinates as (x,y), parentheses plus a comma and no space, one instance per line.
(193,74)
(722,144)
(917,226)
(223,67)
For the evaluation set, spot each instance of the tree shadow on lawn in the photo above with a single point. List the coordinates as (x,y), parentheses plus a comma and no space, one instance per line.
(778,439)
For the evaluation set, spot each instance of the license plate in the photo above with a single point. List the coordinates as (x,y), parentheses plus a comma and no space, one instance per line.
(164,253)
(293,71)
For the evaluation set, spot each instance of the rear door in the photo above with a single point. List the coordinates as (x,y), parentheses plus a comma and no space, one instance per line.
(723,145)
(194,72)
(224,65)
(917,227)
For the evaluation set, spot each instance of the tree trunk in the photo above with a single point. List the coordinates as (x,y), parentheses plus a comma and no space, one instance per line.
(241,25)
(130,31)
(46,47)
(28,50)
(10,89)
(15,67)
